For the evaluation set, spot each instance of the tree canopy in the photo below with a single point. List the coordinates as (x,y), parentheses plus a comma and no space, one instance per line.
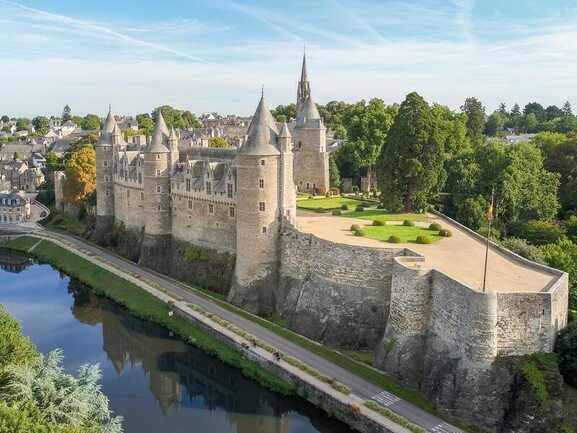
(80,170)
(475,112)
(90,122)
(218,142)
(41,125)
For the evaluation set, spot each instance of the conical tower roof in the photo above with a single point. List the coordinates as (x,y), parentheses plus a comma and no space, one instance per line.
(304,75)
(262,133)
(308,112)
(284,132)
(159,136)
(109,123)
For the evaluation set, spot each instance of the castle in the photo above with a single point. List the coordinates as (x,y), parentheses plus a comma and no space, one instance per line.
(223,199)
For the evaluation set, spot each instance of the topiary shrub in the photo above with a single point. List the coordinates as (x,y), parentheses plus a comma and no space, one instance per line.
(524,249)
(344,207)
(394,239)
(566,348)
(378,223)
(445,233)
(423,239)
(409,223)
(355,227)
(336,212)
(435,227)
(358,233)
(360,208)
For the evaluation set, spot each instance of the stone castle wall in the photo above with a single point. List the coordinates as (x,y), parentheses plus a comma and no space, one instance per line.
(129,204)
(334,293)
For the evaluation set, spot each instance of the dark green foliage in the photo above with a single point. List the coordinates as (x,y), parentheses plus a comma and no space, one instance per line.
(566,348)
(28,419)
(408,223)
(563,160)
(534,377)
(540,232)
(334,174)
(410,168)
(360,208)
(524,249)
(435,227)
(14,347)
(394,239)
(445,233)
(475,120)
(344,207)
(422,239)
(358,233)
(192,253)
(336,212)
(571,228)
(355,227)
(494,234)
(378,223)
(563,255)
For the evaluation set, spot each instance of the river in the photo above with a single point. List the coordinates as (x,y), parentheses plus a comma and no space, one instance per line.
(155,381)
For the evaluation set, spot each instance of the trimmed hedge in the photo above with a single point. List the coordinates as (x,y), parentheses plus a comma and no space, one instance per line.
(435,227)
(422,239)
(378,223)
(344,207)
(409,223)
(360,208)
(336,212)
(355,227)
(445,233)
(358,233)
(394,239)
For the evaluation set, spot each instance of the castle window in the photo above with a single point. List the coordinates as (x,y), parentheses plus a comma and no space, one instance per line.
(261,206)
(158,172)
(105,163)
(141,196)
(190,204)
(261,183)
(262,162)
(264,229)
(300,144)
(107,193)
(105,178)
(158,156)
(158,188)
(139,177)
(127,193)
(208,188)
(229,190)
(210,208)
(231,212)
(158,207)
(188,185)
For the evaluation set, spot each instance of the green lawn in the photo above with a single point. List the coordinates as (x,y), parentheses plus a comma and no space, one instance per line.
(330,203)
(406,234)
(383,215)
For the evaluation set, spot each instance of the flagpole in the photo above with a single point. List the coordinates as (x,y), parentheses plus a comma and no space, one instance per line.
(490,218)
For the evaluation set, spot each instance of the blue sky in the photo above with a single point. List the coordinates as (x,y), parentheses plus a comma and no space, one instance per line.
(215,55)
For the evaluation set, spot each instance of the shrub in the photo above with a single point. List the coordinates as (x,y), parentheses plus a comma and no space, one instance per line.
(423,239)
(378,223)
(344,207)
(336,212)
(435,227)
(355,227)
(408,223)
(542,232)
(495,233)
(472,212)
(358,233)
(563,256)
(445,233)
(380,206)
(14,347)
(394,239)
(524,249)
(571,228)
(360,208)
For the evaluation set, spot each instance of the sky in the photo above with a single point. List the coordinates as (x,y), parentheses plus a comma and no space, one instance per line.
(213,55)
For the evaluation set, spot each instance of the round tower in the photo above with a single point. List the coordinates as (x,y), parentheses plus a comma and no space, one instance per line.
(156,182)
(258,165)
(105,173)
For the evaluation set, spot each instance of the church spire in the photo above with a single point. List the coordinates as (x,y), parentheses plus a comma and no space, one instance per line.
(304,87)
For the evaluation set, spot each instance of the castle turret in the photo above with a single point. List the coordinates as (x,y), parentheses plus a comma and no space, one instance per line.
(258,165)
(173,148)
(287,190)
(156,182)
(104,174)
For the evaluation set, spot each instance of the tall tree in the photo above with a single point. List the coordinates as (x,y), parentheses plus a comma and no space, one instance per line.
(66,113)
(218,142)
(563,160)
(567,110)
(503,109)
(5,118)
(80,173)
(23,124)
(334,175)
(145,123)
(536,109)
(475,119)
(411,163)
(516,110)
(284,113)
(552,111)
(41,125)
(495,124)
(191,120)
(90,122)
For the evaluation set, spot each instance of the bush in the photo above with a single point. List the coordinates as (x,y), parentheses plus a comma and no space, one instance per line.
(563,256)
(360,208)
(524,249)
(423,239)
(495,233)
(394,239)
(344,207)
(445,233)
(542,232)
(571,228)
(355,227)
(472,212)
(378,223)
(14,347)
(336,212)
(435,227)
(566,348)
(380,206)
(358,233)
(409,223)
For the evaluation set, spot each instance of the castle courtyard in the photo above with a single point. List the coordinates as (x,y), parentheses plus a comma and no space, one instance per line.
(460,256)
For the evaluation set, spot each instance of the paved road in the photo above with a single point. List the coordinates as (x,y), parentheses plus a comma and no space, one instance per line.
(360,387)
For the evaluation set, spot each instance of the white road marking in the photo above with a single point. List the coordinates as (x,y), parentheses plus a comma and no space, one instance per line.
(442,428)
(385,398)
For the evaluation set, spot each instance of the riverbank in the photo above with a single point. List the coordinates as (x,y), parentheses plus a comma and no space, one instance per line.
(257,362)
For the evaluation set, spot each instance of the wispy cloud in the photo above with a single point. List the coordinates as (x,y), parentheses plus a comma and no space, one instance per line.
(88,27)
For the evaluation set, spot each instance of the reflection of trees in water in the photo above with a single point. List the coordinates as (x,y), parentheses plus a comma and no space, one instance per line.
(180,374)
(14,261)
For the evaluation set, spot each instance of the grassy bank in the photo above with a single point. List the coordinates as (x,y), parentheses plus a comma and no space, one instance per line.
(145,306)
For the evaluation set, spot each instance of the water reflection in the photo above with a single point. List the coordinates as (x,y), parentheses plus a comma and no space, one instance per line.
(158,383)
(13,261)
